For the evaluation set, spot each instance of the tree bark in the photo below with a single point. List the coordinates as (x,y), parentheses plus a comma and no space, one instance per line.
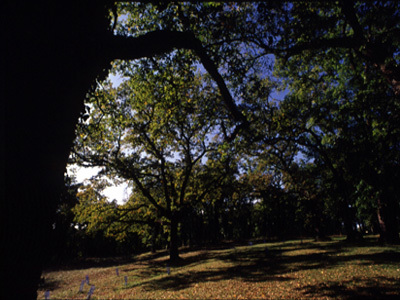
(386,184)
(54,54)
(319,230)
(387,218)
(156,231)
(51,61)
(348,216)
(174,240)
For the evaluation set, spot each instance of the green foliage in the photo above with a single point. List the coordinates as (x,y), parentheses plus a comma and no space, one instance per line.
(155,130)
(325,154)
(339,98)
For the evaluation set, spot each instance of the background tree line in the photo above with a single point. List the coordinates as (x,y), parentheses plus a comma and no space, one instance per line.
(323,160)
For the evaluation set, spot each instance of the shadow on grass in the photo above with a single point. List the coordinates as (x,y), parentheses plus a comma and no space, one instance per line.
(375,288)
(91,262)
(276,263)
(181,281)
(48,284)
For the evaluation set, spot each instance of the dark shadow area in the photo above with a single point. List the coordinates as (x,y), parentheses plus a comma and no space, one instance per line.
(92,262)
(370,289)
(48,284)
(258,264)
(181,281)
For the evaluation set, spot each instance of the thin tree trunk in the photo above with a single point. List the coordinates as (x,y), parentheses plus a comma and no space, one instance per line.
(319,230)
(347,211)
(348,220)
(156,231)
(174,240)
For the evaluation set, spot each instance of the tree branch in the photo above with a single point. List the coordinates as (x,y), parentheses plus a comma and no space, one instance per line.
(163,41)
(131,174)
(347,8)
(340,42)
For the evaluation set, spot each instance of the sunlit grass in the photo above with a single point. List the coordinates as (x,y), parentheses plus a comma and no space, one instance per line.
(282,270)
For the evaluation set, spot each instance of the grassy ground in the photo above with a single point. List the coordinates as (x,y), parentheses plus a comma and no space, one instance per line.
(283,270)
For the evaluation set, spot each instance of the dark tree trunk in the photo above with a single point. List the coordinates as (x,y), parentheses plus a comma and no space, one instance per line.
(174,240)
(319,230)
(348,216)
(54,53)
(216,226)
(346,210)
(51,61)
(387,218)
(387,183)
(156,232)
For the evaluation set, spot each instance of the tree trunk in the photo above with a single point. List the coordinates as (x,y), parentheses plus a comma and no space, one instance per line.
(348,220)
(174,240)
(216,226)
(319,230)
(54,53)
(156,231)
(347,211)
(387,218)
(24,241)
(48,76)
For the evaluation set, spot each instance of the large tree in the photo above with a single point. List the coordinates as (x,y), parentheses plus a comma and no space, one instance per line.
(56,51)
(153,130)
(340,64)
(346,110)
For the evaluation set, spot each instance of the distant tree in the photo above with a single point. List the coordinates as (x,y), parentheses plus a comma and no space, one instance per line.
(339,62)
(344,107)
(366,30)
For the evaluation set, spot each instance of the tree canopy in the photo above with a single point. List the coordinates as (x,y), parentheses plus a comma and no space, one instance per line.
(205,142)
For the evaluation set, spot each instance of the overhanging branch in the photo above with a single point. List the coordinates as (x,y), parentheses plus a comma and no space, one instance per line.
(163,41)
(323,43)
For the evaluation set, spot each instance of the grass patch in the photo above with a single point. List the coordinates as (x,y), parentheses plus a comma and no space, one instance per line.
(281,270)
